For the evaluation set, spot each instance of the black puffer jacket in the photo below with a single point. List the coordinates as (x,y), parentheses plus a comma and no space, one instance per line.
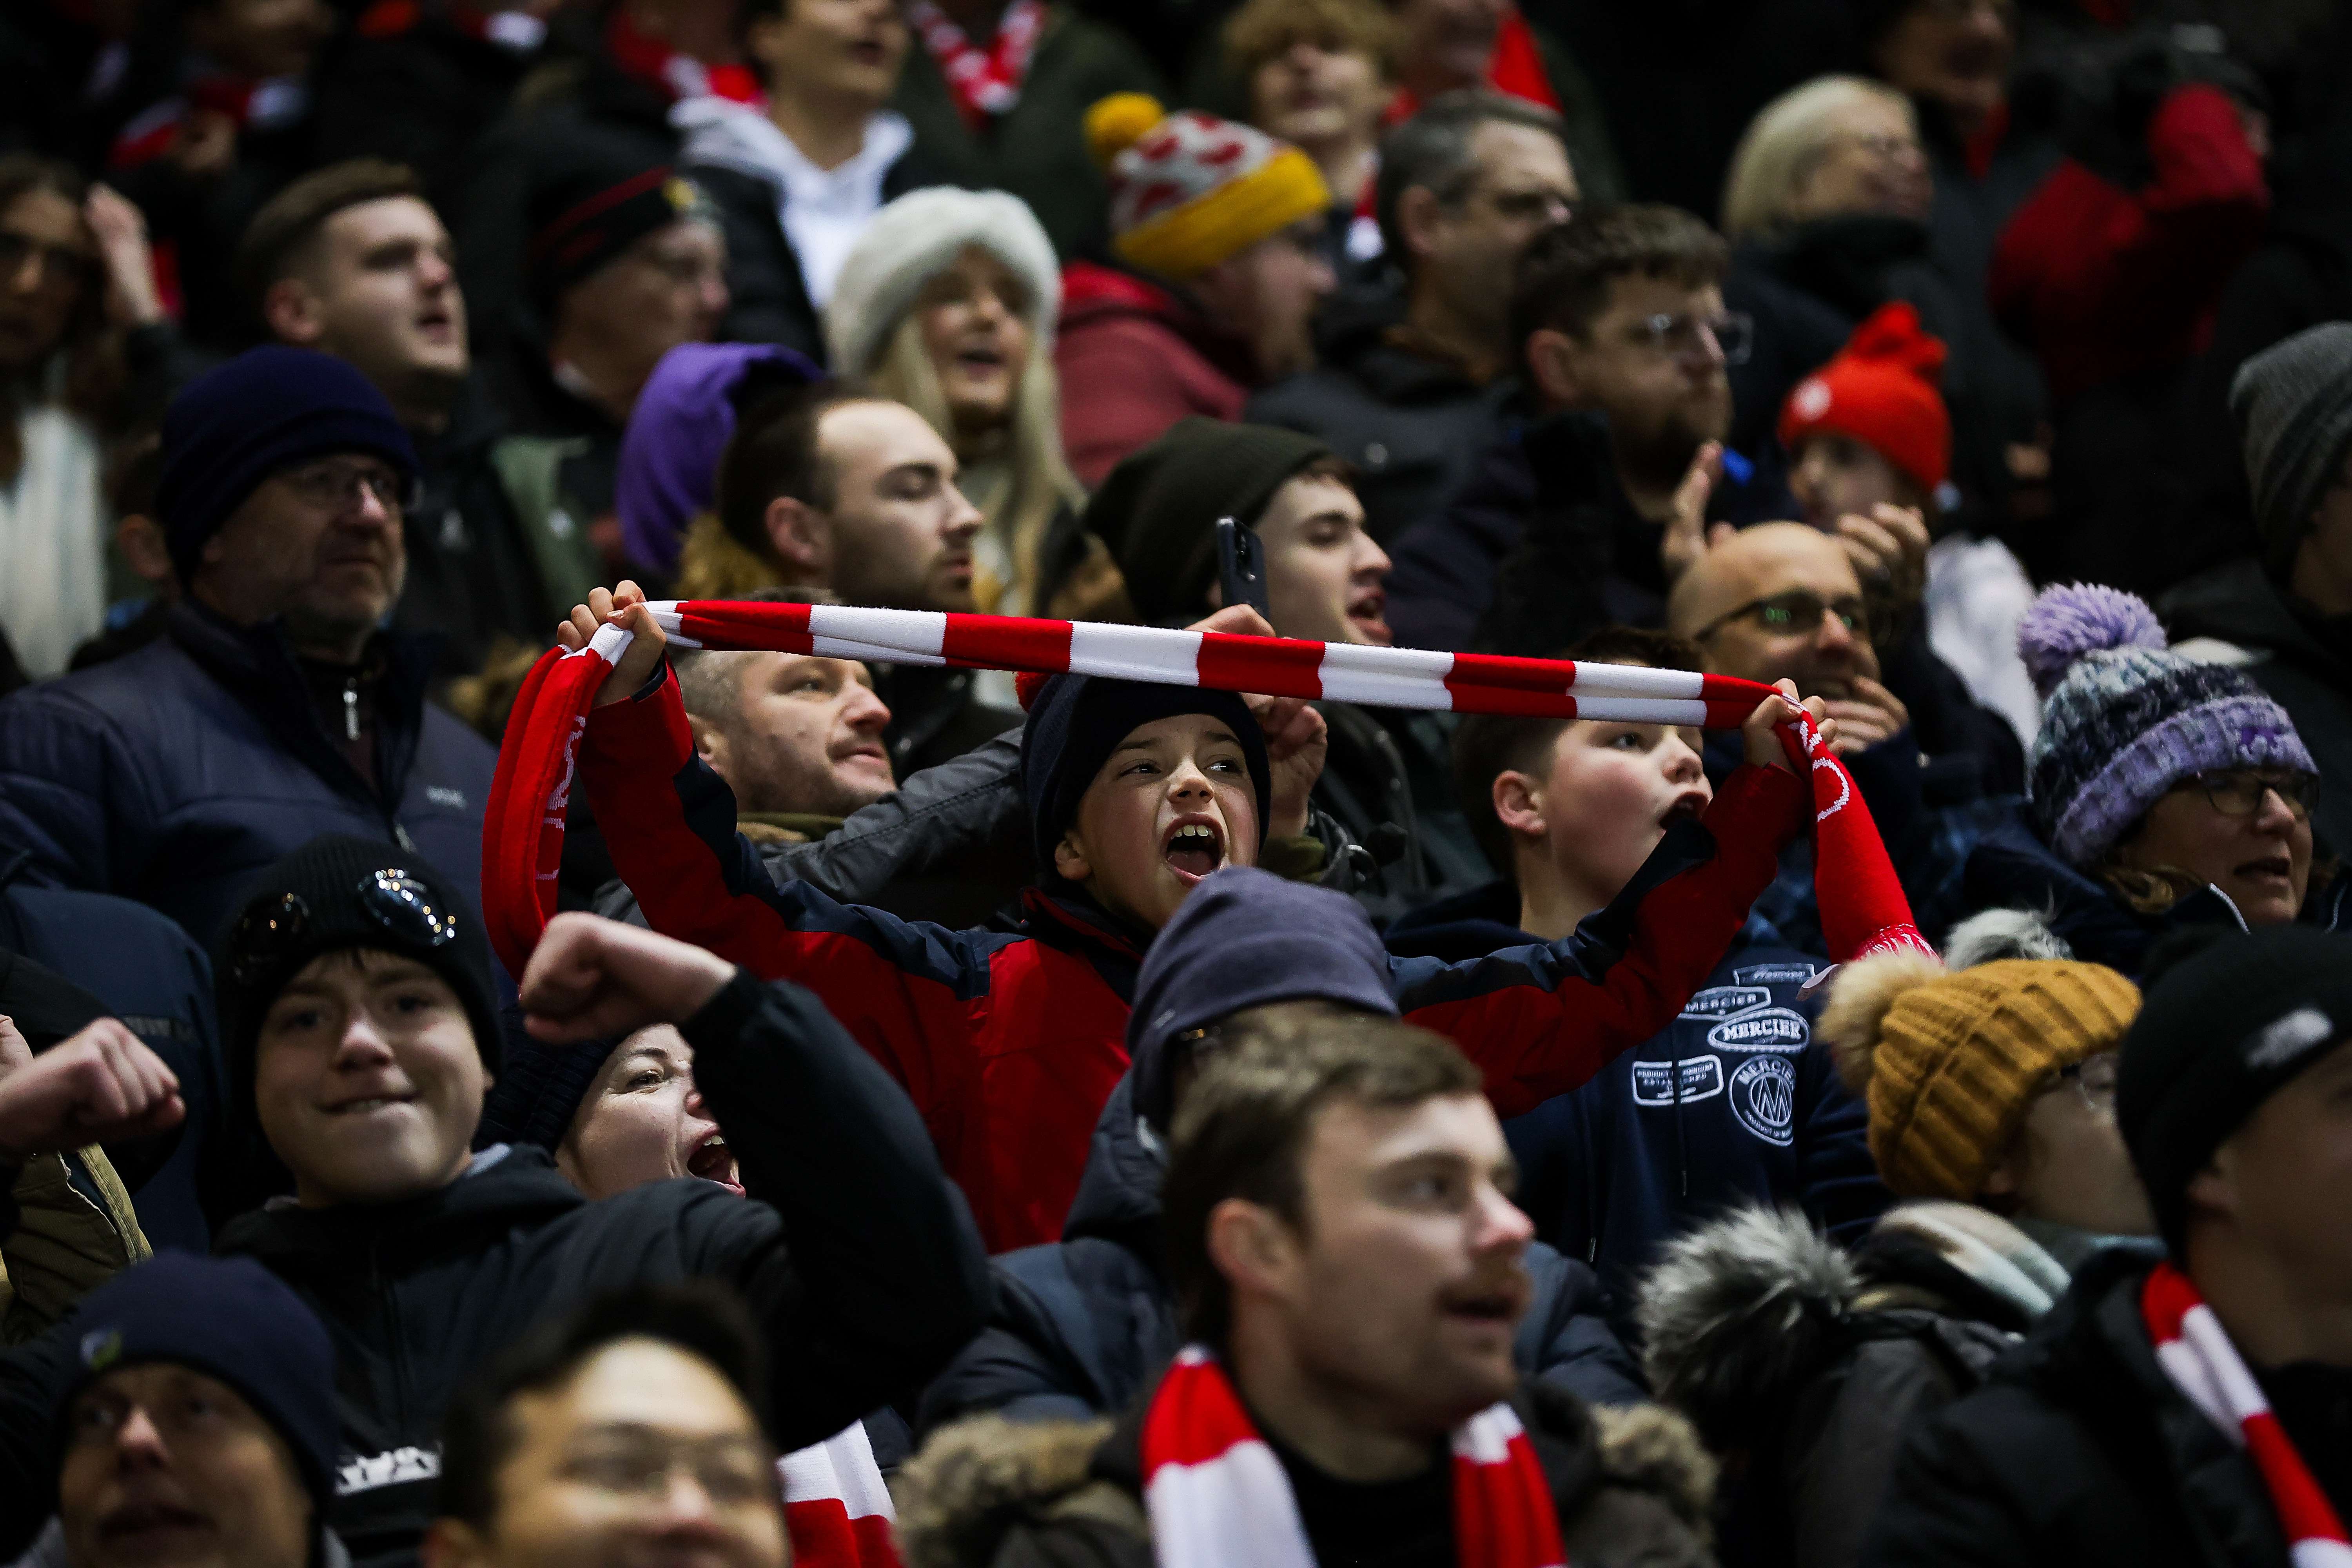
(176,773)
(856,1256)
(1803,1366)
(2082,1454)
(1081,1327)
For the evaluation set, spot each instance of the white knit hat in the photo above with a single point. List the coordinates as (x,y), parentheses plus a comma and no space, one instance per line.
(911,241)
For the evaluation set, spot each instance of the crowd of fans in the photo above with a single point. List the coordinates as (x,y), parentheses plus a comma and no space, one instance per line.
(951,1121)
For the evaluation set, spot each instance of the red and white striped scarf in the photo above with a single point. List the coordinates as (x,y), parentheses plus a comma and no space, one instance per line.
(2195,1352)
(1219,1499)
(983,82)
(837,1508)
(1863,906)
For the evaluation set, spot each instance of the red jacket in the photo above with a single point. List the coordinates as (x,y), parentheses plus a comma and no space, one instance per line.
(1009,1043)
(1133,360)
(2103,283)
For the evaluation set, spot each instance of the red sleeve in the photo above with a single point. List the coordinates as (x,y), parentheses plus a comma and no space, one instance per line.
(1542,1020)
(911,993)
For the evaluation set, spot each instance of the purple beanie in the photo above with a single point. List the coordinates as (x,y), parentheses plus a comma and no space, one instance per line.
(669,453)
(2124,719)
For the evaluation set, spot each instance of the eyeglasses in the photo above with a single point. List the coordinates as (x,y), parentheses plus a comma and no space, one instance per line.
(1797,613)
(2239,793)
(1532,206)
(61,265)
(1696,339)
(336,485)
(2094,1079)
(733,1472)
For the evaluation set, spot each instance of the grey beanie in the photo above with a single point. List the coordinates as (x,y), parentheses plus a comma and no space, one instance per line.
(2292,403)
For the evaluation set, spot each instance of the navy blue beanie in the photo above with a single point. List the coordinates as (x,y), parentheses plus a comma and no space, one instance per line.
(1075,721)
(238,423)
(228,1318)
(1242,939)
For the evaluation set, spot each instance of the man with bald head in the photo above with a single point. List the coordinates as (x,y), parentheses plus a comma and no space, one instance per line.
(1782,601)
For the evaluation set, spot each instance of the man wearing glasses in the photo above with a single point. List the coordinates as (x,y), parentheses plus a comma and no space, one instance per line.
(276,707)
(1625,345)
(1411,404)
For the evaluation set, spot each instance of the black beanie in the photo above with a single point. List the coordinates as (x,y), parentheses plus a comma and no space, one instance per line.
(1075,721)
(1158,511)
(540,1088)
(336,892)
(238,423)
(228,1318)
(2230,1017)
(594,203)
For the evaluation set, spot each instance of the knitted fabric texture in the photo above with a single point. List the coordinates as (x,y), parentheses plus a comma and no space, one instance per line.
(1158,510)
(1883,390)
(1953,1062)
(1189,190)
(265,410)
(597,200)
(2292,403)
(539,1088)
(2231,1015)
(226,1318)
(913,240)
(2124,720)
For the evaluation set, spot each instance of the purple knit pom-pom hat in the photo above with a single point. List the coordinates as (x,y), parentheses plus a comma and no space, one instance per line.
(2124,719)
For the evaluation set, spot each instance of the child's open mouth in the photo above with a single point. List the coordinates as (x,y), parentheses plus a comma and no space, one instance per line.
(1195,845)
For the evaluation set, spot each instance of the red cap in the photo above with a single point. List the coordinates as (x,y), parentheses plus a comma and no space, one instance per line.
(1882,390)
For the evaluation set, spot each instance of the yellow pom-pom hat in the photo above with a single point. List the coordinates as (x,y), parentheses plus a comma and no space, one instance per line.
(1949,1063)
(1189,190)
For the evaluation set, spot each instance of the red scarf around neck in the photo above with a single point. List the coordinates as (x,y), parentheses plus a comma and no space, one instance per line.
(1218,1497)
(986,82)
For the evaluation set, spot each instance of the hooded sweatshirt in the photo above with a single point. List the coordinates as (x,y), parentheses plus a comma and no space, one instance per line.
(1733,1102)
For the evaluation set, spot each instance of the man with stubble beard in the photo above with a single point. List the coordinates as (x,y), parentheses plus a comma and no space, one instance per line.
(1623,342)
(353,261)
(1782,601)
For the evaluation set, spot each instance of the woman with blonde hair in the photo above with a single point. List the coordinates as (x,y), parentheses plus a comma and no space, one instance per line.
(1826,205)
(948,304)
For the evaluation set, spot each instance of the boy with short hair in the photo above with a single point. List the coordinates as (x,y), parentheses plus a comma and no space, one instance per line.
(1009,1043)
(1732,1100)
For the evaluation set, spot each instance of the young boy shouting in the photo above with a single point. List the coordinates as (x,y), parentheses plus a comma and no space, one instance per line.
(1009,1042)
(1731,1101)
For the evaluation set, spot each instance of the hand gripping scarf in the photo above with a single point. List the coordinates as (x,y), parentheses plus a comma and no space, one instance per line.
(1218,1497)
(1863,907)
(2195,1352)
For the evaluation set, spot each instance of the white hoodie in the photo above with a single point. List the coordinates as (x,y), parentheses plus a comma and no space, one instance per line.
(822,210)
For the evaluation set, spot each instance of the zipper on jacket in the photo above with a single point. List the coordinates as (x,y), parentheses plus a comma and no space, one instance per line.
(351,709)
(1681,1149)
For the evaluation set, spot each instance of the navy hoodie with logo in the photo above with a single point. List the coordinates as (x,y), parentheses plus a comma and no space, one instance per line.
(1734,1102)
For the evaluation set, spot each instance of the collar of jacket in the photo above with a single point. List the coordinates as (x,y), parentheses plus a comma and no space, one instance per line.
(1097,289)
(1072,920)
(522,1188)
(1843,259)
(2097,1336)
(257,664)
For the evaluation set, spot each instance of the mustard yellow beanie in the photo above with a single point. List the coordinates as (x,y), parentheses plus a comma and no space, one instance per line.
(1948,1062)
(1189,190)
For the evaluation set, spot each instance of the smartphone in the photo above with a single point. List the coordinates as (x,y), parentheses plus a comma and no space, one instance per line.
(1240,565)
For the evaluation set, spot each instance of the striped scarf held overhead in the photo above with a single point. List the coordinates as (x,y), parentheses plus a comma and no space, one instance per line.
(1863,906)
(1218,1497)
(2196,1354)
